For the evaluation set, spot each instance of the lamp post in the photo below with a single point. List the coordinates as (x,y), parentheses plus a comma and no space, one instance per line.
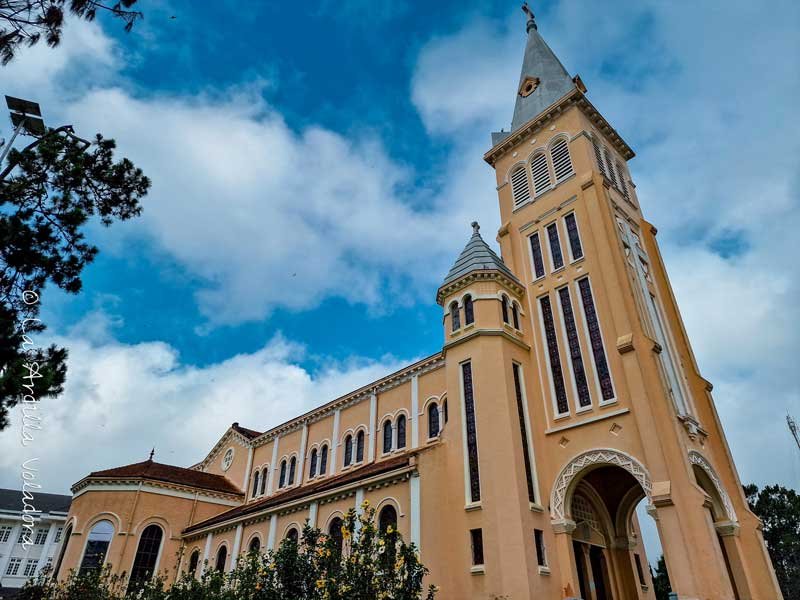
(24,115)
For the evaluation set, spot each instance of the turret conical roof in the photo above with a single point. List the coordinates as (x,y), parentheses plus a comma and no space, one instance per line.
(477,256)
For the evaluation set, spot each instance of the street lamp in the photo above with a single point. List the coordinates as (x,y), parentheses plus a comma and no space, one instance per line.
(24,115)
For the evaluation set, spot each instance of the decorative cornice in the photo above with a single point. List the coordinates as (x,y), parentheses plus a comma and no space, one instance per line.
(574,98)
(133,484)
(488,275)
(485,332)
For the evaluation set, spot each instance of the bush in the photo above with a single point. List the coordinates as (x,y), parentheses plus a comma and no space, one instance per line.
(370,565)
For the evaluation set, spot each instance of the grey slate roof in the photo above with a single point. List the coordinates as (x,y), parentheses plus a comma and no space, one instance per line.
(477,256)
(554,81)
(11,500)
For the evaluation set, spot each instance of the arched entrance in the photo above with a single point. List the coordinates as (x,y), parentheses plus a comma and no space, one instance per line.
(593,503)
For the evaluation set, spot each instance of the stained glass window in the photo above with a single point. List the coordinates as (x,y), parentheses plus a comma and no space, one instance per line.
(455,317)
(515,314)
(146,554)
(387,437)
(504,307)
(312,469)
(555,247)
(469,310)
(360,446)
(536,253)
(575,246)
(348,450)
(433,420)
(523,430)
(555,359)
(264,474)
(222,558)
(323,460)
(584,398)
(292,469)
(401,431)
(256,477)
(282,481)
(472,434)
(598,352)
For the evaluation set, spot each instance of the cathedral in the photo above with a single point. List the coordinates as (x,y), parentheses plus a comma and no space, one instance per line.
(565,394)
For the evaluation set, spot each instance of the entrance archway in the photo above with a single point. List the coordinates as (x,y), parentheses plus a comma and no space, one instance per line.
(594,503)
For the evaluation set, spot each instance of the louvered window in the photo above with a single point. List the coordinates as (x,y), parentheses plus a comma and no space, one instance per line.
(536,254)
(622,181)
(599,157)
(541,174)
(575,247)
(472,434)
(562,163)
(596,339)
(519,186)
(555,247)
(523,430)
(556,372)
(573,342)
(610,167)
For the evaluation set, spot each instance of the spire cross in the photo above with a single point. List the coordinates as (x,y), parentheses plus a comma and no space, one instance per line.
(531,24)
(475,227)
(152,454)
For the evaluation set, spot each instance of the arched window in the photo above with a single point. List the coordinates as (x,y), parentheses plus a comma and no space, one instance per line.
(144,565)
(335,531)
(282,480)
(64,544)
(264,474)
(387,437)
(222,557)
(348,450)
(504,307)
(469,310)
(292,469)
(312,469)
(562,164)
(387,518)
(455,317)
(323,460)
(360,446)
(541,174)
(519,186)
(293,536)
(515,314)
(255,545)
(194,560)
(97,546)
(401,431)
(256,477)
(433,420)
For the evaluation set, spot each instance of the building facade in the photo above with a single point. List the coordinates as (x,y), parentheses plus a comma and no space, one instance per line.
(27,547)
(565,394)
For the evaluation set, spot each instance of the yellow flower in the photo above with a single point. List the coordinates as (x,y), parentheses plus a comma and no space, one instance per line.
(389,529)
(365,504)
(320,584)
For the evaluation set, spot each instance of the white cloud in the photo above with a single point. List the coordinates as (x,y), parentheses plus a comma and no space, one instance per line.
(122,399)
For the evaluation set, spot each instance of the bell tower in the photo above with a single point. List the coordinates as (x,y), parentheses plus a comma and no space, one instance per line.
(579,313)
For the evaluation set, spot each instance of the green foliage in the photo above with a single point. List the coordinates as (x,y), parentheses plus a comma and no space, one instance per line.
(25,22)
(779,510)
(661,585)
(371,565)
(48,194)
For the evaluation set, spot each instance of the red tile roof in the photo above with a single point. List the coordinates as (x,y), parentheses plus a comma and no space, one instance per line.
(296,493)
(248,433)
(171,474)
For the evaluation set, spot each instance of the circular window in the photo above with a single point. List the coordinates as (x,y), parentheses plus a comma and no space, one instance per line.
(227,459)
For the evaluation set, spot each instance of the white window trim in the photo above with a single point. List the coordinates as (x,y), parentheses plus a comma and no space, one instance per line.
(565,339)
(549,368)
(598,389)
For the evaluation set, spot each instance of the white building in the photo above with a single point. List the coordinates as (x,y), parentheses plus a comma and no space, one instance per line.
(18,563)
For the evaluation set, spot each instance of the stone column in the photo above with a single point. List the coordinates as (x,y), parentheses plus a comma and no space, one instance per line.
(728,532)
(563,528)
(237,543)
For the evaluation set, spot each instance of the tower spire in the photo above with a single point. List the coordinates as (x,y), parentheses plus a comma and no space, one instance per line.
(531,24)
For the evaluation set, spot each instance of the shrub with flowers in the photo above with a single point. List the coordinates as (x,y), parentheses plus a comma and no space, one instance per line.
(364,564)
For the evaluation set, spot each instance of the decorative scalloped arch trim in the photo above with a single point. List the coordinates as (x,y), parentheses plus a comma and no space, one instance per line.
(701,461)
(594,458)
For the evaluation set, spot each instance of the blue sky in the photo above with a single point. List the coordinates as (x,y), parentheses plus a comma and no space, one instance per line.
(315,168)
